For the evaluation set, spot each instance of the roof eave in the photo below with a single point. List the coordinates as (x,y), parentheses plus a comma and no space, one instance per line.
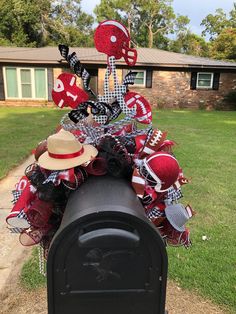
(187,66)
(103,62)
(24,61)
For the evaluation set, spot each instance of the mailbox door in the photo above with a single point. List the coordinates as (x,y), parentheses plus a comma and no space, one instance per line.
(105,267)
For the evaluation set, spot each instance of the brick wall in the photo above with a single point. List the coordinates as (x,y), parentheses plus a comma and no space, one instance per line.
(26,103)
(172,90)
(169,90)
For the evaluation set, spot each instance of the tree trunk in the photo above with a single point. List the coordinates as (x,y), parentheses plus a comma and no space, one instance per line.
(150,37)
(129,24)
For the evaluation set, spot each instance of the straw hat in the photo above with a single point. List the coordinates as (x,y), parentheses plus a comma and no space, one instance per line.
(65,151)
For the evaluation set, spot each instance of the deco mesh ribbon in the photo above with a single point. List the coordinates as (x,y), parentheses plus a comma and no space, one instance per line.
(113,123)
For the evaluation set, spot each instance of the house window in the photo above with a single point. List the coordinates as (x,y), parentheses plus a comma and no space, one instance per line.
(25,83)
(143,77)
(204,80)
(140,79)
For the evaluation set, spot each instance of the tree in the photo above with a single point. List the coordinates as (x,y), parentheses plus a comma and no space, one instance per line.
(215,24)
(148,21)
(181,23)
(120,10)
(69,24)
(186,41)
(224,46)
(191,44)
(157,17)
(108,10)
(222,34)
(232,16)
(38,23)
(20,21)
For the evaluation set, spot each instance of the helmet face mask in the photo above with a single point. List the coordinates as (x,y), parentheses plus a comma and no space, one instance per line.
(153,183)
(129,54)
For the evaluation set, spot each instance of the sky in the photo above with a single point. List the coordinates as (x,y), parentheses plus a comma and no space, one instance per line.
(195,10)
(198,10)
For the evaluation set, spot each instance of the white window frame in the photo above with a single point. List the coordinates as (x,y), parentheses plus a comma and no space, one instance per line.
(211,82)
(144,78)
(18,77)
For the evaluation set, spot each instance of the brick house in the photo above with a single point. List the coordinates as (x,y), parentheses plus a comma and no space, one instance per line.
(166,79)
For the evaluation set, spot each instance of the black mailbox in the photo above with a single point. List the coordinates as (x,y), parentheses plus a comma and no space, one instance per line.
(106,257)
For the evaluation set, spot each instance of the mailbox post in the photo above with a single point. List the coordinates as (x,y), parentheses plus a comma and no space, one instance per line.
(106,257)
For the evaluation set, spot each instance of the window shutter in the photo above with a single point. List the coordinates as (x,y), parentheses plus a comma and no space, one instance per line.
(216,81)
(193,82)
(2,94)
(50,83)
(148,78)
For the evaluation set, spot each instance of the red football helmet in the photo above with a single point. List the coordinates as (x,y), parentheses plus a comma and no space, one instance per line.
(112,38)
(160,170)
(66,93)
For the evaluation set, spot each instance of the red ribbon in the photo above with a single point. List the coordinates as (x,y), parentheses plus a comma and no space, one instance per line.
(66,156)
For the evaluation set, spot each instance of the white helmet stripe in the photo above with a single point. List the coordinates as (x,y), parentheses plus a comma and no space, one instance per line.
(120,26)
(165,155)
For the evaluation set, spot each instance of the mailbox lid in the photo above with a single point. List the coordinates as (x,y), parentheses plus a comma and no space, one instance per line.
(99,194)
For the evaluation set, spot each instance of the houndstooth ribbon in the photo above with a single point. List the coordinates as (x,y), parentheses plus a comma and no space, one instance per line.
(155,213)
(101,111)
(16,195)
(53,177)
(42,261)
(173,195)
(22,215)
(77,67)
(56,176)
(130,78)
(119,90)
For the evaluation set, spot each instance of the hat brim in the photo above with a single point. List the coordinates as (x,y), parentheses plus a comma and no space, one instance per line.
(171,212)
(49,163)
(17,222)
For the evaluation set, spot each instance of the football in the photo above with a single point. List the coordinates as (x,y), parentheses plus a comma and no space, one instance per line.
(142,106)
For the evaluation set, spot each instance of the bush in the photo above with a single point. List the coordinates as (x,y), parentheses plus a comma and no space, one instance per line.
(230,100)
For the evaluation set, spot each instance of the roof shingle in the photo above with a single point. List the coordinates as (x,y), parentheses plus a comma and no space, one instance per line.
(146,57)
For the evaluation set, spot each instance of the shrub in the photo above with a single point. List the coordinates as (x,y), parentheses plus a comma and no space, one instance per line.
(230,100)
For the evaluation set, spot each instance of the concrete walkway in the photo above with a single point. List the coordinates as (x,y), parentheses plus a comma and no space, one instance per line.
(11,251)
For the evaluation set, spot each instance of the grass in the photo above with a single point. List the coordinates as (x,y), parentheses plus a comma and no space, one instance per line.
(20,131)
(206,150)
(30,277)
(207,153)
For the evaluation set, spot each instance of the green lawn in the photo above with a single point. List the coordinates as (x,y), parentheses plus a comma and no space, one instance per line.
(207,152)
(20,131)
